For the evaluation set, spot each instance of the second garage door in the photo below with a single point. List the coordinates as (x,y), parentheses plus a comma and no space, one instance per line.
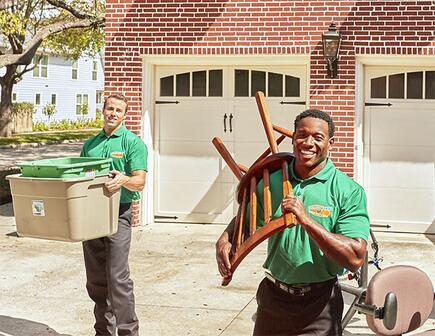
(399,151)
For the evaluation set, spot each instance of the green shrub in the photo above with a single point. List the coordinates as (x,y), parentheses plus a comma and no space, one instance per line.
(22,107)
(62,125)
(49,110)
(39,126)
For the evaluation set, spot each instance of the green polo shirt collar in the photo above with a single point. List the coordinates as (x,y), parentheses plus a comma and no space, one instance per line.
(119,132)
(322,175)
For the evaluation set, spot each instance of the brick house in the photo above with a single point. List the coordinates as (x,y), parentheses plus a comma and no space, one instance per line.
(190,69)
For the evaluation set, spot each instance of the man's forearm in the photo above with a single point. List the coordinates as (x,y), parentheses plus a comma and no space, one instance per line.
(134,183)
(345,251)
(230,228)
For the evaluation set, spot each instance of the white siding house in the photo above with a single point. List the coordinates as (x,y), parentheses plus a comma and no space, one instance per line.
(69,85)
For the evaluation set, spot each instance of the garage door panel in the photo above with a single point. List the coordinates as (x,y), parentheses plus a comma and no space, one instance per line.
(395,125)
(402,205)
(190,162)
(177,122)
(248,124)
(247,152)
(394,166)
(182,197)
(196,201)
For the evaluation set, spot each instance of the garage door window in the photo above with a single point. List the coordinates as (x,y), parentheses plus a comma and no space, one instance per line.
(248,82)
(203,83)
(409,85)
(430,84)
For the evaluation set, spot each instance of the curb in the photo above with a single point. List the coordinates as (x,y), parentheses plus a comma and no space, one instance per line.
(39,144)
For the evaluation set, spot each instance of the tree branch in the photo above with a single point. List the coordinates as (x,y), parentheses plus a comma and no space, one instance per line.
(5,4)
(72,10)
(26,56)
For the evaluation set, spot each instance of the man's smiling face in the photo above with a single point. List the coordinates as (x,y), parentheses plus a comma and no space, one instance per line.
(311,144)
(114,114)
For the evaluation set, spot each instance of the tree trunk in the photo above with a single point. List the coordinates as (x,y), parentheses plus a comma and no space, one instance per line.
(7,84)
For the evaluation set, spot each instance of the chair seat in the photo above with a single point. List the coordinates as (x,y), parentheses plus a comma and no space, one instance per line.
(430,332)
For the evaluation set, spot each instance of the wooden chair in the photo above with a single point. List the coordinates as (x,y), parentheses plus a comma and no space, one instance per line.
(247,234)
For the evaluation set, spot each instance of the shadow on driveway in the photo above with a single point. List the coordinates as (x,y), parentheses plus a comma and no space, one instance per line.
(19,327)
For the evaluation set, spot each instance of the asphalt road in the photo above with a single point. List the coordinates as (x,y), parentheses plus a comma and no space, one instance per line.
(11,157)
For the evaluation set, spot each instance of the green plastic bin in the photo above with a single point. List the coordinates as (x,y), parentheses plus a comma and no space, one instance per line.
(66,167)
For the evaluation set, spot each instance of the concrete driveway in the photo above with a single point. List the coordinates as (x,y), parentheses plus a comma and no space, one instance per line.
(177,286)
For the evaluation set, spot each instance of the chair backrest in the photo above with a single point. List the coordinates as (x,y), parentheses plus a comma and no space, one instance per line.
(415,297)
(247,234)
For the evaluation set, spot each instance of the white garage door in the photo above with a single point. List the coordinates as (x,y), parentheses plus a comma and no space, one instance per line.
(195,104)
(399,148)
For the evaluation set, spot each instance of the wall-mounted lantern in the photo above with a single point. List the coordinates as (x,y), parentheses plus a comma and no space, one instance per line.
(331,46)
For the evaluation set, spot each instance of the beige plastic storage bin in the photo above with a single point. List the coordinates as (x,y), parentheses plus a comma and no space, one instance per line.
(72,210)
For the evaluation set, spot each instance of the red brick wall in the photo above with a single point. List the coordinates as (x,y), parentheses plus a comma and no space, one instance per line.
(215,27)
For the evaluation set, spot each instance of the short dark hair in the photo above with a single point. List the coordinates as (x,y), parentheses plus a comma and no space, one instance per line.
(118,96)
(314,113)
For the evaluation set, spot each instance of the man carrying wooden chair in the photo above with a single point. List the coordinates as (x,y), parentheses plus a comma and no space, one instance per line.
(300,294)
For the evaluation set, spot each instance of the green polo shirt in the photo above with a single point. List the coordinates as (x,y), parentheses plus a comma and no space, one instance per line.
(127,151)
(333,200)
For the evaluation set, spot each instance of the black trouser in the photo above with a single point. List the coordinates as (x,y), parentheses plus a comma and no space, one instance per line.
(108,279)
(316,313)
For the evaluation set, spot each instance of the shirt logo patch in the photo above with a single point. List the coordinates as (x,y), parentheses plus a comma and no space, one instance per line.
(118,155)
(319,211)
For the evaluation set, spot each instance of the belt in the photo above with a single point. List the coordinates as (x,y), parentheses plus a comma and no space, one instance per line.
(298,289)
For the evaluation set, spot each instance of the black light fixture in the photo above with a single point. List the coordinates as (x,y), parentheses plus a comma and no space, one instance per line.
(331,46)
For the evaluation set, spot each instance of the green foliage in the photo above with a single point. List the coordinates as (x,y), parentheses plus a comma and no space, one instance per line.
(98,114)
(84,123)
(72,43)
(11,23)
(22,107)
(48,137)
(49,110)
(84,110)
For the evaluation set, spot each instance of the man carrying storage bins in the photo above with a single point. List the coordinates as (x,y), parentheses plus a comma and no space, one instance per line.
(106,259)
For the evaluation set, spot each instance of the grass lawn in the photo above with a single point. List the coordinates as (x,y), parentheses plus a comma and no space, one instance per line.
(48,137)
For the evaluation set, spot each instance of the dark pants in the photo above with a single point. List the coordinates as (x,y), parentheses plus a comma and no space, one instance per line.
(108,280)
(316,313)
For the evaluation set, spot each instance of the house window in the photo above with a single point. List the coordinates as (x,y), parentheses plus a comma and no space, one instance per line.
(183,84)
(414,85)
(430,85)
(82,107)
(74,69)
(215,81)
(272,84)
(41,66)
(99,96)
(395,85)
(167,86)
(14,97)
(37,99)
(94,70)
(53,99)
(202,83)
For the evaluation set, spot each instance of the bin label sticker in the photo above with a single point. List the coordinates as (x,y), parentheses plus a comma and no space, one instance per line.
(38,208)
(90,173)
